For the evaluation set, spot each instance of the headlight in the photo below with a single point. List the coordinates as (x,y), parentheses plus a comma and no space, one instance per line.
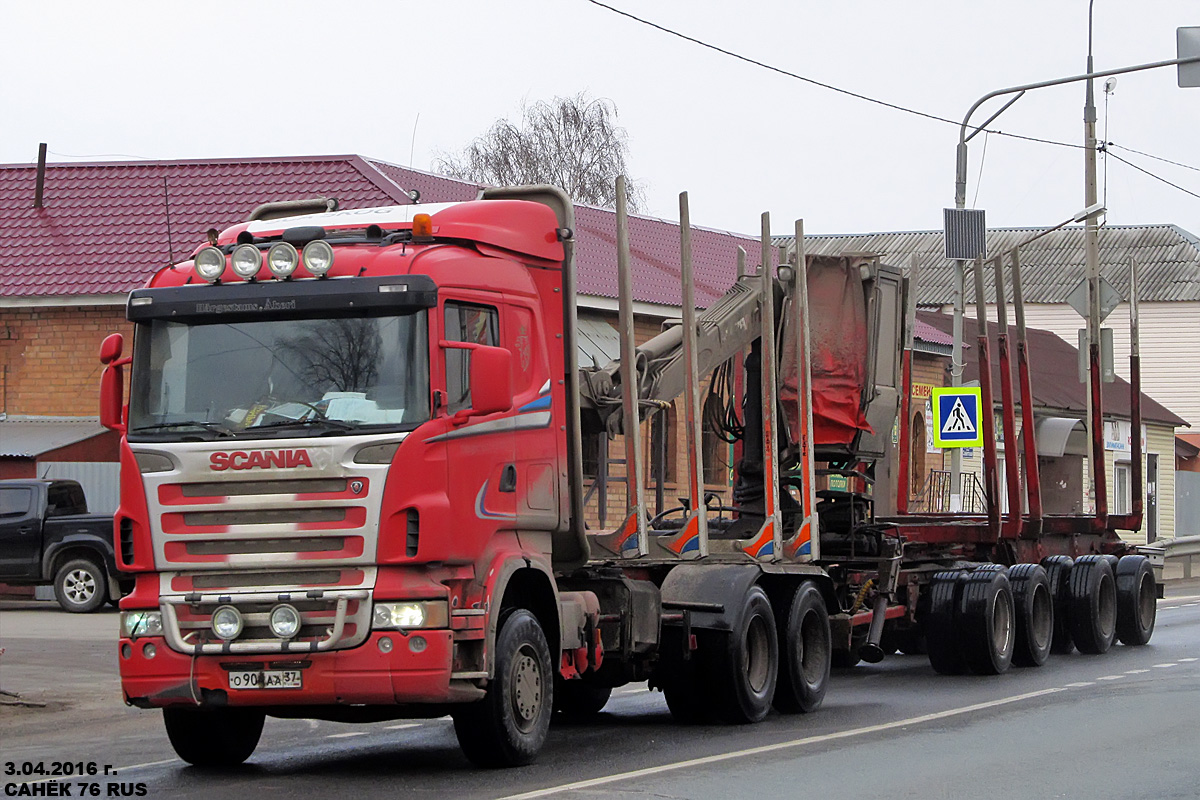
(282,259)
(285,621)
(318,257)
(141,623)
(227,622)
(210,264)
(246,261)
(411,614)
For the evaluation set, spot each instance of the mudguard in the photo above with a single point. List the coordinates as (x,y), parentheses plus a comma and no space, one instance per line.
(711,595)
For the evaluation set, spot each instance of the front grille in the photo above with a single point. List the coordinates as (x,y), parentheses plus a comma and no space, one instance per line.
(225,547)
(199,519)
(243,488)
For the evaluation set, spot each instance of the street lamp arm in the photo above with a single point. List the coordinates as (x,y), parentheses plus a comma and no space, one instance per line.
(960,183)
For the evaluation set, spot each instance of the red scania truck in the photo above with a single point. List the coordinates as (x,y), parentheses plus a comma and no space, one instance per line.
(352,489)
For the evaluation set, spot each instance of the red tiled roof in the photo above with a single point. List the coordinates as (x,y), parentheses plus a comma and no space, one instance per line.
(103,226)
(927,333)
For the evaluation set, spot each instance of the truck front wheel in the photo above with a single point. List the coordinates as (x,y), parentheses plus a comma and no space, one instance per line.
(508,727)
(213,737)
(80,586)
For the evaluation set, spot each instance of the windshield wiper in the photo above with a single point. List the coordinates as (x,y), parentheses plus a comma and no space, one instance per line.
(336,424)
(213,427)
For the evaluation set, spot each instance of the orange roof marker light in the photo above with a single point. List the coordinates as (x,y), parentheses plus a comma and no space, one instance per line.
(422,226)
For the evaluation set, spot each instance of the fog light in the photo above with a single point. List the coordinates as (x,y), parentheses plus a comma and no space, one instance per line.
(417,644)
(246,261)
(285,621)
(209,264)
(227,622)
(126,651)
(149,651)
(282,259)
(318,258)
(385,645)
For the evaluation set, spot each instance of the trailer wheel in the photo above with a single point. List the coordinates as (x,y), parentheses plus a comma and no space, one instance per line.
(686,692)
(213,737)
(80,586)
(508,727)
(579,699)
(1058,571)
(987,621)
(1093,614)
(1137,600)
(746,669)
(941,624)
(805,642)
(1035,614)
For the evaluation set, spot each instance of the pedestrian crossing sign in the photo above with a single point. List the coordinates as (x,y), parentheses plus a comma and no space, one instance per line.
(956,417)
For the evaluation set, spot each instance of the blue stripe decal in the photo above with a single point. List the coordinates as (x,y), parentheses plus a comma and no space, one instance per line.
(537,405)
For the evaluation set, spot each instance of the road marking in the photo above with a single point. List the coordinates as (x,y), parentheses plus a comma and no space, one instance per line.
(402,727)
(1136,671)
(773,748)
(1168,665)
(1080,684)
(1188,660)
(116,771)
(345,735)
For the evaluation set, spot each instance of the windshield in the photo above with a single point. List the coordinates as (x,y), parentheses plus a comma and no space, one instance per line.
(252,378)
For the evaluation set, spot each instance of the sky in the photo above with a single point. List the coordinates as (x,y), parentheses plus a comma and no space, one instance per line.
(406,81)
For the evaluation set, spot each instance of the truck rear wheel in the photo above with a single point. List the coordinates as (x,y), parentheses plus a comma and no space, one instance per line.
(941,624)
(508,727)
(1093,614)
(747,667)
(80,586)
(1035,614)
(1137,600)
(987,621)
(1058,572)
(806,647)
(580,699)
(213,737)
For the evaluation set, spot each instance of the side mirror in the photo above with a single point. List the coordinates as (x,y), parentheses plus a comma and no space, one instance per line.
(112,382)
(491,380)
(111,348)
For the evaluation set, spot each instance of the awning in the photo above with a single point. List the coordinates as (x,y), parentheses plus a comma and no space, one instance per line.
(29,437)
(1053,433)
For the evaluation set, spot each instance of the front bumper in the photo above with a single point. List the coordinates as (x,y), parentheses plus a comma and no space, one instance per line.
(368,674)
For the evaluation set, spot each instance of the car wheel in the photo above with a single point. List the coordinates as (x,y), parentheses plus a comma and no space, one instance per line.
(80,586)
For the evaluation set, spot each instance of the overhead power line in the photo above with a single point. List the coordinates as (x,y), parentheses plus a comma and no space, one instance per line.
(1152,175)
(821,84)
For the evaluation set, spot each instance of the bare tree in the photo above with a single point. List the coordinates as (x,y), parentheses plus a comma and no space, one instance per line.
(570,142)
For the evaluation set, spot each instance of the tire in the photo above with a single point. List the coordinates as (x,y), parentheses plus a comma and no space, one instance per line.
(685,692)
(1137,600)
(1035,614)
(987,621)
(806,645)
(1093,609)
(1058,571)
(579,699)
(941,624)
(80,586)
(746,668)
(845,659)
(508,727)
(213,737)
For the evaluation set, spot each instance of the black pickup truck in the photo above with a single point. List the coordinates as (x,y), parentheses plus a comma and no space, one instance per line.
(47,536)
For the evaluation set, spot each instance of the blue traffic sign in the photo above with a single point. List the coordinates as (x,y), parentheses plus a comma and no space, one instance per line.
(956,417)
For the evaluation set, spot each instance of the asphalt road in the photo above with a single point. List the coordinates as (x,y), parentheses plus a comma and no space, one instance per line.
(1122,725)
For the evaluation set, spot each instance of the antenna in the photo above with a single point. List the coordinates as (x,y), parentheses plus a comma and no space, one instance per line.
(412,147)
(167,200)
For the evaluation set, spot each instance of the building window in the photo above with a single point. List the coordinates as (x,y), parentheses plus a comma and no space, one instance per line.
(1122,482)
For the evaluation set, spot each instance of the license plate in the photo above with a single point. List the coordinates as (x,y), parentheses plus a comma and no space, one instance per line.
(266,679)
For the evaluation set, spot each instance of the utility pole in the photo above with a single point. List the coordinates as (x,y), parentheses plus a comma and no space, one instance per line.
(1091,252)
